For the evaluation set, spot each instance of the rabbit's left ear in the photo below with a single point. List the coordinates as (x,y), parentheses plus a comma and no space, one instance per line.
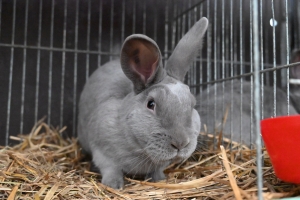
(141,61)
(186,50)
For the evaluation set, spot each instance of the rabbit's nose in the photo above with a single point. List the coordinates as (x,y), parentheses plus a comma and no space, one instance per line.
(179,144)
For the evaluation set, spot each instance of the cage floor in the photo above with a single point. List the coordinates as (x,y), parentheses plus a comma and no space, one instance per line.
(46,166)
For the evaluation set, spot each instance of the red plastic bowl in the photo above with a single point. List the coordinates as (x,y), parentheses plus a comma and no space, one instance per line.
(282,140)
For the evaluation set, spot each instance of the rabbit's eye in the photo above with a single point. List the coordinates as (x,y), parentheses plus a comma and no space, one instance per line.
(151,104)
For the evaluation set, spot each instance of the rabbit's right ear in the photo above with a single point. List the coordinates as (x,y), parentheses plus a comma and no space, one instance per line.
(141,61)
(295,70)
(186,50)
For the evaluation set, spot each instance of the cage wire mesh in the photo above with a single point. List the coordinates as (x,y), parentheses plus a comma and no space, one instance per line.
(49,48)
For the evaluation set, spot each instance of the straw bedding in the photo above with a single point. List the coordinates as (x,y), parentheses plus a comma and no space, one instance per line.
(47,166)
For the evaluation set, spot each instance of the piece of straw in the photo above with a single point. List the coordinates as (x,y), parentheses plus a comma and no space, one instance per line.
(232,180)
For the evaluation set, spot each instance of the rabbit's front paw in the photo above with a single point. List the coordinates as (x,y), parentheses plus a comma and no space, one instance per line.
(113,180)
(156,175)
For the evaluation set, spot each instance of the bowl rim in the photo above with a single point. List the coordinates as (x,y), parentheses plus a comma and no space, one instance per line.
(280,118)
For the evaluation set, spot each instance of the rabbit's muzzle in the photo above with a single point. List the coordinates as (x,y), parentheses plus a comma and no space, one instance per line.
(163,148)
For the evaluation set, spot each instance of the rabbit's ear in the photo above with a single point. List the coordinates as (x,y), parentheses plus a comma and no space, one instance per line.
(295,70)
(186,50)
(141,61)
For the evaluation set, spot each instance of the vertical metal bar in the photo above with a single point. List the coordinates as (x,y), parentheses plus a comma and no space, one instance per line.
(287,56)
(227,51)
(201,61)
(10,73)
(223,59)
(38,64)
(251,77)
(231,71)
(274,59)
(257,98)
(261,76)
(62,86)
(208,35)
(87,61)
(188,16)
(223,55)
(24,69)
(75,69)
(194,67)
(241,38)
(123,21)
(144,17)
(167,23)
(134,16)
(262,58)
(50,65)
(266,50)
(100,33)
(111,29)
(182,32)
(241,68)
(235,43)
(215,63)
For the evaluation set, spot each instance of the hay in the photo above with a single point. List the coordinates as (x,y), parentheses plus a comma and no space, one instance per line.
(46,166)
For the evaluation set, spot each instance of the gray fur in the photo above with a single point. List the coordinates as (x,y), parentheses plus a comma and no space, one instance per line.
(207,109)
(117,128)
(183,50)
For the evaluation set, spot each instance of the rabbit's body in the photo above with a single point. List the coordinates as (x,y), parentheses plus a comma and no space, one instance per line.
(109,99)
(238,122)
(135,117)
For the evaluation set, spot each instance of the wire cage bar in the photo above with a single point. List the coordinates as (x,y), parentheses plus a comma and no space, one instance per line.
(49,48)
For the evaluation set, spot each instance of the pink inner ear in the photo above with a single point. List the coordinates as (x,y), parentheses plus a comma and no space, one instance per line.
(144,59)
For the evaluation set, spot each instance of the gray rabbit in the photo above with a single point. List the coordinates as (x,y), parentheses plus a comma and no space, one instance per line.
(241,129)
(137,117)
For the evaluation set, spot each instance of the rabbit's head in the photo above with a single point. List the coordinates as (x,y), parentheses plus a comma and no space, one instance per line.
(159,115)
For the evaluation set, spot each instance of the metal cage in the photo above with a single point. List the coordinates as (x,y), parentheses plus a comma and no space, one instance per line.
(48,49)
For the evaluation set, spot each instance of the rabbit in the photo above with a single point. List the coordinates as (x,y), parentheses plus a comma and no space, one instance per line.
(241,129)
(207,108)
(136,117)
